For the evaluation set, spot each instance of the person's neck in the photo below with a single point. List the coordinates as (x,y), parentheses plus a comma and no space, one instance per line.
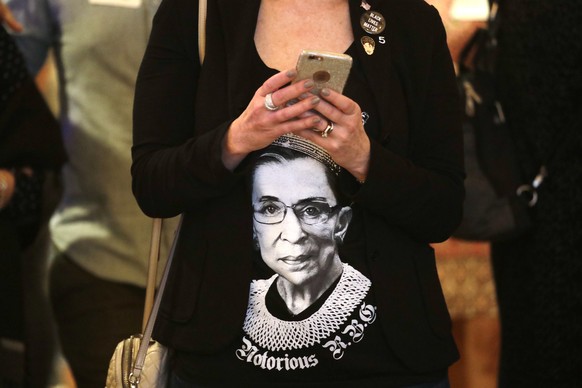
(285,27)
(298,298)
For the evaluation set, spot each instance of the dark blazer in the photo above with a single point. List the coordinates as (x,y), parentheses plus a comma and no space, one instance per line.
(29,136)
(412,196)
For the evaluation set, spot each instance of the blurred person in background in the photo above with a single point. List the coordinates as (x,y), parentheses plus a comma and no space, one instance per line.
(99,235)
(539,275)
(31,155)
(465,266)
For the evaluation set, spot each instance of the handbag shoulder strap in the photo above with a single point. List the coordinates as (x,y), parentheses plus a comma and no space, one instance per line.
(154,258)
(156,235)
(147,334)
(202,29)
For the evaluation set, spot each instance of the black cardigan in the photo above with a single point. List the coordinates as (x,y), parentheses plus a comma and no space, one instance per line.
(29,137)
(412,196)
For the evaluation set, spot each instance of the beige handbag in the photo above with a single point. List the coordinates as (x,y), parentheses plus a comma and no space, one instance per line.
(139,361)
(153,371)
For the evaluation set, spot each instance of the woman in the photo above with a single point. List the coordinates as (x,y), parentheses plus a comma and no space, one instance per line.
(31,154)
(395,133)
(538,275)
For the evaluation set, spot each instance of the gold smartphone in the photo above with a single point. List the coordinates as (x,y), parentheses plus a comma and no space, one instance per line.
(327,69)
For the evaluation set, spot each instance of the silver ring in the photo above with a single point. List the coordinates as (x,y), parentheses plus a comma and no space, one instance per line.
(327,130)
(269,102)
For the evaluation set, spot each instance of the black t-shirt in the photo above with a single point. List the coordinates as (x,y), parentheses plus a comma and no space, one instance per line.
(337,341)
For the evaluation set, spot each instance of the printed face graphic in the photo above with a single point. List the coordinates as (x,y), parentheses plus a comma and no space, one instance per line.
(296,219)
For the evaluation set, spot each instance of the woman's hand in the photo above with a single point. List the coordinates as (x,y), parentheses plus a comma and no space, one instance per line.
(7,184)
(347,142)
(7,18)
(257,126)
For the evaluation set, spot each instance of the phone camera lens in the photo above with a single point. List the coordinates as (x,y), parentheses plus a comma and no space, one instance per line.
(321,76)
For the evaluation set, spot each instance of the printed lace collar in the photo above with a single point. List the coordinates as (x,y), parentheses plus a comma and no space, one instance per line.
(275,334)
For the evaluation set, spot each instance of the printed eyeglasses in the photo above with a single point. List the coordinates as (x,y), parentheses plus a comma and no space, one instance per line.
(309,212)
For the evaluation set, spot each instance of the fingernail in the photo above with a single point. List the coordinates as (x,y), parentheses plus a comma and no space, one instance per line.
(325,92)
(304,96)
(315,100)
(316,120)
(308,84)
(291,73)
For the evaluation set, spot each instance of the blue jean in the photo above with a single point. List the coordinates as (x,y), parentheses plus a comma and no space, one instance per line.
(439,384)
(177,382)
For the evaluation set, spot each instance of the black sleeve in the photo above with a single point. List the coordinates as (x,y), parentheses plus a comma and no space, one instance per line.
(423,192)
(176,159)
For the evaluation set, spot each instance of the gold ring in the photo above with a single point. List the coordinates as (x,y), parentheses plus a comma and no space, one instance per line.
(328,129)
